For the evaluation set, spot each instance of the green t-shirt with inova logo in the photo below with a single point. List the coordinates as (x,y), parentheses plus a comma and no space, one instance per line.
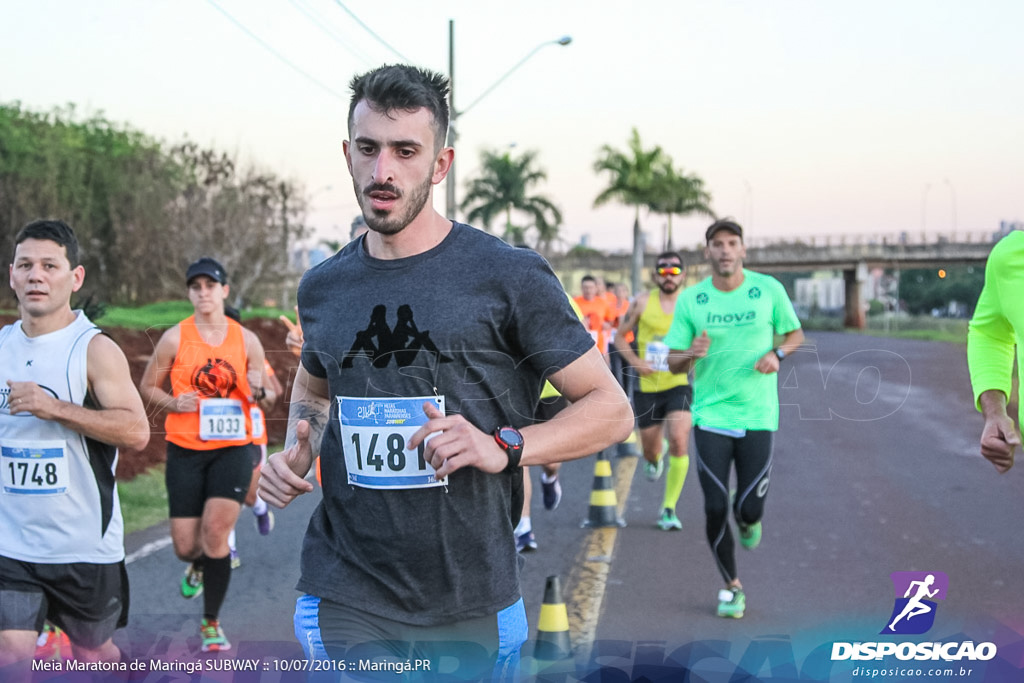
(728,393)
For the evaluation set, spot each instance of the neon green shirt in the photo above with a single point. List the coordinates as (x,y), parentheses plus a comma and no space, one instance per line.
(998,322)
(728,393)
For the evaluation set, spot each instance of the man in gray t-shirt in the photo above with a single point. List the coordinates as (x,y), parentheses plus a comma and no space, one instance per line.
(426,345)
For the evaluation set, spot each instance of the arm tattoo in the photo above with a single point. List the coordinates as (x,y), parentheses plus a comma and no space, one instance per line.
(315,411)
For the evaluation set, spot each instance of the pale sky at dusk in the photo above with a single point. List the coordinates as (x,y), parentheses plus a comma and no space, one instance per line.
(802,117)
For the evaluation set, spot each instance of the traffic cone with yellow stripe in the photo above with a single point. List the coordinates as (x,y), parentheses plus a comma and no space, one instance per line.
(553,642)
(604,508)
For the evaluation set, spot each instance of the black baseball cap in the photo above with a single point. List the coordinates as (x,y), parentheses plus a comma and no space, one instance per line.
(724,224)
(208,267)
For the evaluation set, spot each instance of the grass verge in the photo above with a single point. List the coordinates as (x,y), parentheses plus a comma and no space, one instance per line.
(164,314)
(924,328)
(143,500)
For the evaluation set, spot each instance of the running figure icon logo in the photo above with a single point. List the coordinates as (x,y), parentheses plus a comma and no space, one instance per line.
(915,606)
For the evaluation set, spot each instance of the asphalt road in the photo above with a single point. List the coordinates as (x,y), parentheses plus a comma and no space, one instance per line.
(876,471)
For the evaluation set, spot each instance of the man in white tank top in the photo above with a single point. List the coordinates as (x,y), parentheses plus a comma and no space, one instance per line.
(67,404)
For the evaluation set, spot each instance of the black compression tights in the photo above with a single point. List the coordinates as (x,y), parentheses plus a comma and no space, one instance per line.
(715,455)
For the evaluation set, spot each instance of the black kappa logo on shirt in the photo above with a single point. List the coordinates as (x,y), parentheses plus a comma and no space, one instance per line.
(380,343)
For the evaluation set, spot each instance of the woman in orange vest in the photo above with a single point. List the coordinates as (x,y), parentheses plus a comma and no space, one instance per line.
(214,366)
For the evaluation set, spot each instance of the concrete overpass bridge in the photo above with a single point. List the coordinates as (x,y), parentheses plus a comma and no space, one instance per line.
(854,255)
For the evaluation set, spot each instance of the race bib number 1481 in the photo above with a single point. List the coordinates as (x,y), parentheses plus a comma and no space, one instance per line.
(374,432)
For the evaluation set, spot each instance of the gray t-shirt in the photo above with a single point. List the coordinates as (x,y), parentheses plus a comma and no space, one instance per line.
(483,323)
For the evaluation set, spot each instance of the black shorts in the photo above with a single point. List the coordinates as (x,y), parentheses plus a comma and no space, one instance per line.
(256,455)
(193,477)
(654,408)
(89,601)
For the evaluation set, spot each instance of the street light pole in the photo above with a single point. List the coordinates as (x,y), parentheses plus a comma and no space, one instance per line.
(454,114)
(924,209)
(452,117)
(952,198)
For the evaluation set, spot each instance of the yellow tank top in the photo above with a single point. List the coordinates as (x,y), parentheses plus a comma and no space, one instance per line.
(652,328)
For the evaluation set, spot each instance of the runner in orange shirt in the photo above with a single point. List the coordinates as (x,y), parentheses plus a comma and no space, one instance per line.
(597,315)
(215,369)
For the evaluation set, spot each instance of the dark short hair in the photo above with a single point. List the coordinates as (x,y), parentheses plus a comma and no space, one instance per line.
(406,88)
(669,255)
(588,278)
(54,230)
(724,224)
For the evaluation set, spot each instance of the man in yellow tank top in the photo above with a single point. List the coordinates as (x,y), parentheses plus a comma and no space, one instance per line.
(662,402)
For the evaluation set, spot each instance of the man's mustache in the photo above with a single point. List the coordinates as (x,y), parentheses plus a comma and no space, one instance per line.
(382,187)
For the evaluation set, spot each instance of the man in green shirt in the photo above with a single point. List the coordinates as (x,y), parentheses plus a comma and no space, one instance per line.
(997,326)
(724,329)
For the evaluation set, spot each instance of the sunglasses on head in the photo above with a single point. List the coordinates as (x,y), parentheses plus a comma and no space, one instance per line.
(669,270)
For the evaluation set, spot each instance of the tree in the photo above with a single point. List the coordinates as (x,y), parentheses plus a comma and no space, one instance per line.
(678,194)
(141,211)
(246,218)
(632,180)
(924,289)
(503,186)
(109,182)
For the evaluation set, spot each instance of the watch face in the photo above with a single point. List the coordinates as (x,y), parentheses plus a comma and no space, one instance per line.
(511,437)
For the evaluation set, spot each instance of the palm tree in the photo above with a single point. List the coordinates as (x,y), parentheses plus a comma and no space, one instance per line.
(678,194)
(633,179)
(504,185)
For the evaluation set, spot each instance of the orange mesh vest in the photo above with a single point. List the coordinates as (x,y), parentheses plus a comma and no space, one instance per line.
(212,372)
(595,314)
(258,417)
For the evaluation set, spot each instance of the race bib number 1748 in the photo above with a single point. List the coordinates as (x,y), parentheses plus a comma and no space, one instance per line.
(37,468)
(374,432)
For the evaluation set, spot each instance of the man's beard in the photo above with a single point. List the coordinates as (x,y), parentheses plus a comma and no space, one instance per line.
(387,223)
(668,286)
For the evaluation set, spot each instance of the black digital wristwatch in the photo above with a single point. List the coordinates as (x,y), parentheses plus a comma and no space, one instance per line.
(511,441)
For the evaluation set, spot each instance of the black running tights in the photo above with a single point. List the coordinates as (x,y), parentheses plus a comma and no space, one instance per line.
(715,455)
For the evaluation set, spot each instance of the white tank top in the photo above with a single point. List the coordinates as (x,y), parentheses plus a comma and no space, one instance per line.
(58,498)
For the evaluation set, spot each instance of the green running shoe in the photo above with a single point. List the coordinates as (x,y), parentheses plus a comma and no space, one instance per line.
(653,470)
(731,603)
(192,582)
(750,536)
(213,636)
(669,521)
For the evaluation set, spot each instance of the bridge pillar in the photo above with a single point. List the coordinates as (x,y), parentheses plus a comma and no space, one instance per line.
(854,316)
